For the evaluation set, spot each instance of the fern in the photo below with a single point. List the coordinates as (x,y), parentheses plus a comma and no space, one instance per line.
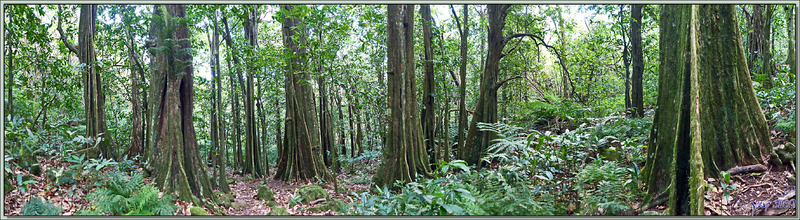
(120,194)
(35,206)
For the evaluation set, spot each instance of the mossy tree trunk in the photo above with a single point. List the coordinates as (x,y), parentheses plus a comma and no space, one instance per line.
(302,155)
(708,118)
(175,163)
(637,99)
(404,155)
(252,154)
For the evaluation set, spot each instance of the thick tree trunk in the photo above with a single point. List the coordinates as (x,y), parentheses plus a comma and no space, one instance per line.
(766,52)
(637,99)
(176,164)
(428,116)
(302,153)
(477,141)
(714,122)
(404,155)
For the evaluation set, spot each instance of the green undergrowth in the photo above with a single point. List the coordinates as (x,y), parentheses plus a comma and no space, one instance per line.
(591,170)
(120,194)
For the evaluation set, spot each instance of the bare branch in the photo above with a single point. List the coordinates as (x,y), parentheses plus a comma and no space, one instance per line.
(501,83)
(69,46)
(452,74)
(456,17)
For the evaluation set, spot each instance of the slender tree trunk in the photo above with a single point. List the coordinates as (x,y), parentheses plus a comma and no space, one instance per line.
(176,163)
(352,127)
(462,89)
(428,113)
(404,155)
(302,153)
(626,62)
(326,137)
(341,130)
(252,145)
(755,24)
(221,178)
(238,162)
(359,131)
(766,53)
(714,121)
(215,142)
(791,57)
(9,107)
(93,95)
(137,130)
(637,100)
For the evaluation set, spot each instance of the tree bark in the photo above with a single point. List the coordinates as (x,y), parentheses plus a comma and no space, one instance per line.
(791,58)
(626,64)
(428,113)
(462,88)
(302,153)
(714,122)
(238,163)
(637,99)
(252,146)
(217,121)
(766,53)
(477,141)
(404,155)
(93,94)
(176,164)
(137,130)
(755,23)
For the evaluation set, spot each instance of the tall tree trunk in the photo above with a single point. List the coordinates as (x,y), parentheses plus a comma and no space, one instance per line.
(714,122)
(215,142)
(326,136)
(404,154)
(637,100)
(626,63)
(252,146)
(477,141)
(352,126)
(302,153)
(791,57)
(93,95)
(137,131)
(221,175)
(428,113)
(341,130)
(237,133)
(462,89)
(359,132)
(766,53)
(755,23)
(9,107)
(176,163)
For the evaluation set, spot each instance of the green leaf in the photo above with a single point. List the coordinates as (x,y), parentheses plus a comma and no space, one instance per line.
(453,209)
